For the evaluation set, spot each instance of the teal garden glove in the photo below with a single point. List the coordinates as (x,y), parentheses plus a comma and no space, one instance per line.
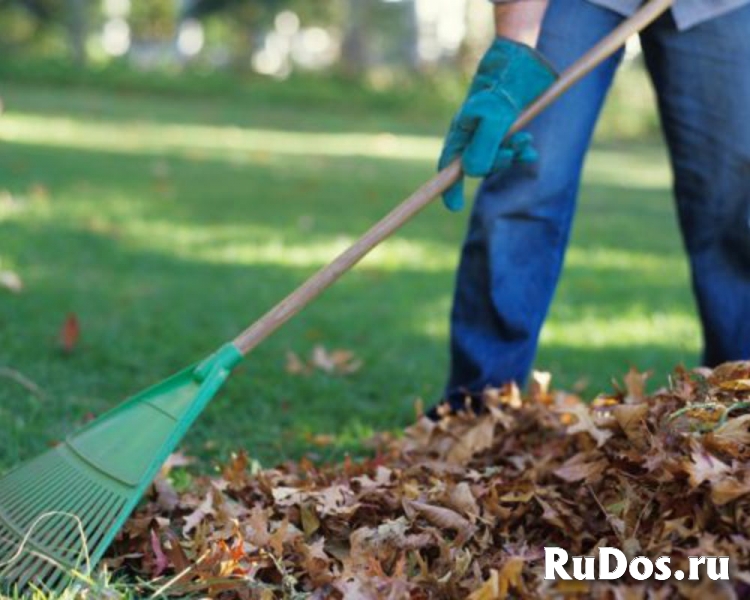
(510,76)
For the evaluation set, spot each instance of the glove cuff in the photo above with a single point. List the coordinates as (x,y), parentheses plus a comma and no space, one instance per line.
(520,71)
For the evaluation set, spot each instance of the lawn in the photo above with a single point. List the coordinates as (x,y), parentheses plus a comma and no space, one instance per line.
(167,223)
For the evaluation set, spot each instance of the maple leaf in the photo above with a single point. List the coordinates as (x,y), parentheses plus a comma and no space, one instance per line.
(499,584)
(471,442)
(577,468)
(342,362)
(585,423)
(336,362)
(205,509)
(462,499)
(166,496)
(162,562)
(257,527)
(635,386)
(705,467)
(632,420)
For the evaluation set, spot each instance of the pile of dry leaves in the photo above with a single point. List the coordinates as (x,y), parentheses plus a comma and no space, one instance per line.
(465,508)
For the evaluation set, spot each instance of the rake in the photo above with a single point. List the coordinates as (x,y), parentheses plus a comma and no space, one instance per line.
(60,511)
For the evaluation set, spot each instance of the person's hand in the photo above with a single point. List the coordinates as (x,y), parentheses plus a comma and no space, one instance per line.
(509,78)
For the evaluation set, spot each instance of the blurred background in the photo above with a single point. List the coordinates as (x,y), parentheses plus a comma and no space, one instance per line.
(169,169)
(269,37)
(386,46)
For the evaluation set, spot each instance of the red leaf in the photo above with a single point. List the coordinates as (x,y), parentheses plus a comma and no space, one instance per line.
(162,562)
(69,333)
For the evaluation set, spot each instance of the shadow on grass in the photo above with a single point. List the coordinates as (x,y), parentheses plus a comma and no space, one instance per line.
(331,115)
(149,307)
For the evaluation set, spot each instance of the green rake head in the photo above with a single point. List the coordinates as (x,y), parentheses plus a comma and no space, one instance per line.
(60,511)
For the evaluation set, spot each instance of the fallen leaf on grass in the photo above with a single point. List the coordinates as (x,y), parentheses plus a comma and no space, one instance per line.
(69,334)
(10,280)
(335,362)
(295,365)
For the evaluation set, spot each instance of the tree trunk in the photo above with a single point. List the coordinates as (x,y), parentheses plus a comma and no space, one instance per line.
(411,43)
(76,25)
(354,51)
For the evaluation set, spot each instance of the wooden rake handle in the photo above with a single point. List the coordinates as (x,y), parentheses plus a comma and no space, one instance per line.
(308,291)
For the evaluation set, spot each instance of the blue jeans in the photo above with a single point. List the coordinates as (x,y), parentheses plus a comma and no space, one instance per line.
(520,224)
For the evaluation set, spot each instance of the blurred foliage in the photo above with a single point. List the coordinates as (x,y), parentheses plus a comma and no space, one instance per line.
(265,10)
(40,41)
(429,98)
(153,20)
(426,99)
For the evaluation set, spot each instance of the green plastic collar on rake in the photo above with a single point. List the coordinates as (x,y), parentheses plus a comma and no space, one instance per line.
(90,483)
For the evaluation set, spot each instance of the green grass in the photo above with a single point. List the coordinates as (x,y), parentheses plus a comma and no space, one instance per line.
(168,223)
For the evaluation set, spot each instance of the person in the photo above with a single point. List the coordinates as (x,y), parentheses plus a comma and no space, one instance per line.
(698,58)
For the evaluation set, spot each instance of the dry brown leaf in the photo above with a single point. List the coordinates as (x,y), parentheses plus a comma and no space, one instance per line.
(295,365)
(257,527)
(705,467)
(340,362)
(577,469)
(473,441)
(462,499)
(70,332)
(736,385)
(196,517)
(734,431)
(635,385)
(585,424)
(490,589)
(729,489)
(336,362)
(441,516)
(499,585)
(632,420)
(310,521)
(166,496)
